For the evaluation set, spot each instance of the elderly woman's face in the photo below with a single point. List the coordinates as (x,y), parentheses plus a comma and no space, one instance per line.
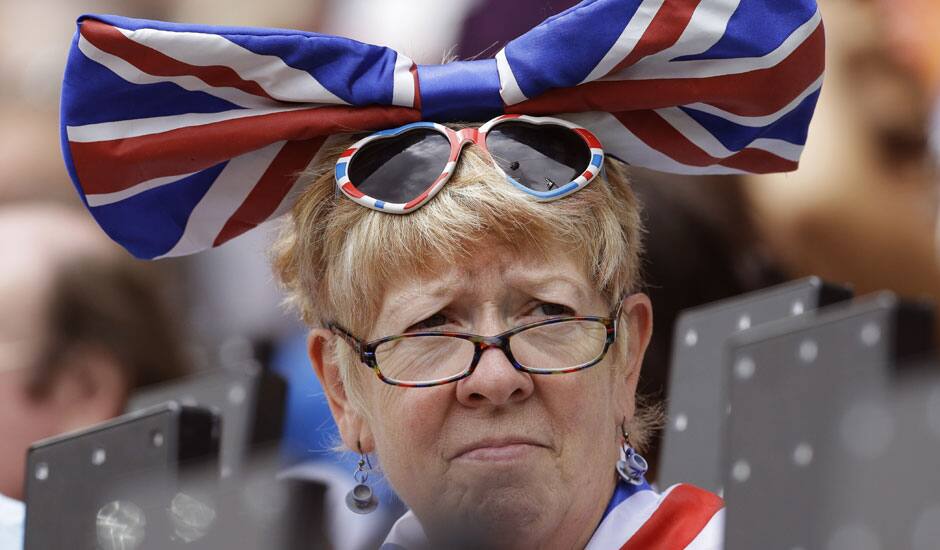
(501,448)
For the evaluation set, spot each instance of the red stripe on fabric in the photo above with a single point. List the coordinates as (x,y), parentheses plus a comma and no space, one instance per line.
(654,131)
(758,161)
(587,175)
(683,514)
(590,138)
(271,189)
(107,38)
(351,189)
(115,165)
(663,31)
(348,153)
(756,93)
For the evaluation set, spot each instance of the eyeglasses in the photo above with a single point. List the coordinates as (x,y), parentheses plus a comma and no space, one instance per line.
(423,359)
(399,170)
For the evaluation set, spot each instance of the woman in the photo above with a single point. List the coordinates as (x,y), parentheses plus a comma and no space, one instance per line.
(498,312)
(492,456)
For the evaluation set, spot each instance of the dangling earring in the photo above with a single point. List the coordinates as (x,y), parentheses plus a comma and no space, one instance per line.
(361,499)
(631,465)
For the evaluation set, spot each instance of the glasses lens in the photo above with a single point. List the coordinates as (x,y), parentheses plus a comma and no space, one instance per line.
(421,359)
(400,168)
(559,346)
(543,157)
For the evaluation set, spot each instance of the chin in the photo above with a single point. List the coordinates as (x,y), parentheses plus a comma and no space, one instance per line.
(498,511)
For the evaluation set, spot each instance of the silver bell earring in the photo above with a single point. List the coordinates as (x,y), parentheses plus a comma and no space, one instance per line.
(631,465)
(361,499)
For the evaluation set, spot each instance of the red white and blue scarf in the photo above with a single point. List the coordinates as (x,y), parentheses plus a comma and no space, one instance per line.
(683,517)
(180,137)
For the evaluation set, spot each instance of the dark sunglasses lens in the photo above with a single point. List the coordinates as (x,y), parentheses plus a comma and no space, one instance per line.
(542,157)
(400,168)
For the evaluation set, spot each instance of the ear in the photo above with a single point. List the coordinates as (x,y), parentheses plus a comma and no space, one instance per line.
(90,387)
(637,318)
(353,428)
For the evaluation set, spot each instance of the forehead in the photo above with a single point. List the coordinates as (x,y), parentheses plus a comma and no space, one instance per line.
(489,274)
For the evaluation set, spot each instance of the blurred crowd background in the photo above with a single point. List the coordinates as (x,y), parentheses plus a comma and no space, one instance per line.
(861,210)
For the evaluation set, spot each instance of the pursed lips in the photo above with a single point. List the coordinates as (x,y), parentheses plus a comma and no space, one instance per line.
(499,448)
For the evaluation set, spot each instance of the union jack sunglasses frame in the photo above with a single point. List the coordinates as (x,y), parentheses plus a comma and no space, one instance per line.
(366,350)
(458,140)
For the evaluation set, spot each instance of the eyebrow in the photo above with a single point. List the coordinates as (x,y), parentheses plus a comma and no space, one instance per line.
(427,292)
(436,289)
(550,281)
(537,283)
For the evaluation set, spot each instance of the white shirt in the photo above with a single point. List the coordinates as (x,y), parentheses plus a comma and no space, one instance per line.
(12,517)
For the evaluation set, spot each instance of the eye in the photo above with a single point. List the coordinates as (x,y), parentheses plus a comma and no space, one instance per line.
(434,322)
(549,309)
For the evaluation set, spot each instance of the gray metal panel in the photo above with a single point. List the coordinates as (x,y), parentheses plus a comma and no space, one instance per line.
(698,389)
(250,401)
(128,469)
(805,394)
(882,485)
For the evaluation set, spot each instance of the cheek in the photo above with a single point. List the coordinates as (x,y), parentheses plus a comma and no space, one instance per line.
(407,422)
(586,411)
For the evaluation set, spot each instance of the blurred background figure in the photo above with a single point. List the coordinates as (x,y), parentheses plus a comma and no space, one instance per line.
(82,327)
(863,206)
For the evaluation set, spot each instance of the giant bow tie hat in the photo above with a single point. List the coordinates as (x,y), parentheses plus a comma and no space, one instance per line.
(181,137)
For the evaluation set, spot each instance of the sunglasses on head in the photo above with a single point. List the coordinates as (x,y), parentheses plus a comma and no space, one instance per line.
(399,170)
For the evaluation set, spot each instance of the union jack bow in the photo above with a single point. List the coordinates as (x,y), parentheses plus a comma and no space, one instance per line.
(181,137)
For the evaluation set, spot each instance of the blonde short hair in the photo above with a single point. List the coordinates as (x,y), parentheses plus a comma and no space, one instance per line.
(333,256)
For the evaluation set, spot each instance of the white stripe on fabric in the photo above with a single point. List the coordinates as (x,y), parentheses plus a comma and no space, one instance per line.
(620,142)
(781,148)
(706,141)
(705,28)
(508,87)
(625,520)
(759,121)
(694,132)
(123,129)
(657,67)
(628,39)
(227,193)
(403,85)
(711,537)
(277,78)
(101,199)
(132,74)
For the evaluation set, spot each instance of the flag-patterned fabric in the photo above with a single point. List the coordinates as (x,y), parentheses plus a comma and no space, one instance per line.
(683,517)
(181,137)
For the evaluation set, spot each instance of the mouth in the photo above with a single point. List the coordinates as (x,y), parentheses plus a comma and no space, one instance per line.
(499,450)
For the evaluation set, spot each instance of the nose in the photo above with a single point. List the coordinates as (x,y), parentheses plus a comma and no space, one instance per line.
(494,382)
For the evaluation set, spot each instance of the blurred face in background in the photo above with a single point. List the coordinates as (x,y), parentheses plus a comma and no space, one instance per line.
(21,420)
(913,29)
(88,388)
